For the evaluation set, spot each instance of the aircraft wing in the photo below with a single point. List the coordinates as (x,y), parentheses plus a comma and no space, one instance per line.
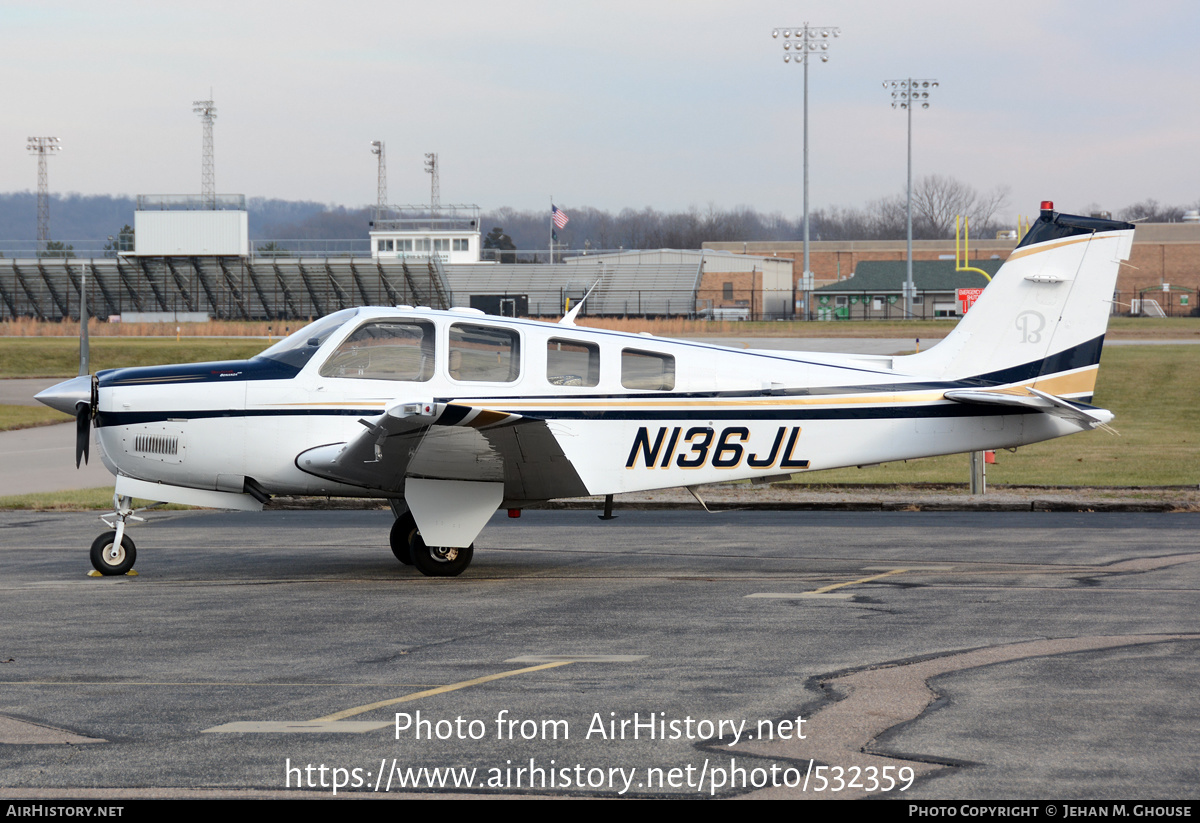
(450,441)
(1085,418)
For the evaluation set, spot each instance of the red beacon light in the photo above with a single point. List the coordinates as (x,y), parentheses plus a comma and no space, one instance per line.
(1047,205)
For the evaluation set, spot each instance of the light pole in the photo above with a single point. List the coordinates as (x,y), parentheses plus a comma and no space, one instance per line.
(380,150)
(799,46)
(43,147)
(207,110)
(908,94)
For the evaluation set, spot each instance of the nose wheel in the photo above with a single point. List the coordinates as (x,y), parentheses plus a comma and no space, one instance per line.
(113,552)
(110,557)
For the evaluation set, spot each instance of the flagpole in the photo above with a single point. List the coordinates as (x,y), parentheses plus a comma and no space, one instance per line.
(558,220)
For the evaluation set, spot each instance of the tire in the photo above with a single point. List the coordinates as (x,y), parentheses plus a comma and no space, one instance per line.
(111,566)
(401,537)
(439,561)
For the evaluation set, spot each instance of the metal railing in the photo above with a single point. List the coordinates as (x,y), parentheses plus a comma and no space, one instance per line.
(191,202)
(304,247)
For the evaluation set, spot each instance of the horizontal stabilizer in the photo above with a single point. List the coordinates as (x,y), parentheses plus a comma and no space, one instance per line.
(1035,400)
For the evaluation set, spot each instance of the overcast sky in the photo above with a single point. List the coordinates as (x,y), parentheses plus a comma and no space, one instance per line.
(610,104)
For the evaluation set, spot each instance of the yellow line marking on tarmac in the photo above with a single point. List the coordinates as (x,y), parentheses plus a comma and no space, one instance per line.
(827,589)
(578,658)
(799,596)
(439,690)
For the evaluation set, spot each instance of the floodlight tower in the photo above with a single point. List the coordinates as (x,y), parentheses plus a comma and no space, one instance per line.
(799,46)
(908,94)
(377,149)
(43,147)
(435,187)
(208,184)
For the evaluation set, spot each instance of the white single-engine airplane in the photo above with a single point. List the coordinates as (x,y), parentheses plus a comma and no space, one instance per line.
(452,414)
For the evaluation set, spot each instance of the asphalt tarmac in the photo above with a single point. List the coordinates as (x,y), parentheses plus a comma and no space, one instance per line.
(964,656)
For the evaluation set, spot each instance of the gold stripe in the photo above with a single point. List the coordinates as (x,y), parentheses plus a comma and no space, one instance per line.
(829,400)
(1052,246)
(487,417)
(1082,382)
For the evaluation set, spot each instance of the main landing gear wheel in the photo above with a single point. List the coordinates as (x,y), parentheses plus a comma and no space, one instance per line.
(401,537)
(109,562)
(431,561)
(440,561)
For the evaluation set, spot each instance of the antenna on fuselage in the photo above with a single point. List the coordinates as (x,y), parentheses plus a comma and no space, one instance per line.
(569,317)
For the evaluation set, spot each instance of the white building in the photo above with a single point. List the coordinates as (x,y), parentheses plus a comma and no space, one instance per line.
(451,235)
(185,225)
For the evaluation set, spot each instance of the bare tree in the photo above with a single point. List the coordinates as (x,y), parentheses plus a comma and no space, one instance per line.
(1151,211)
(883,219)
(986,206)
(888,217)
(937,200)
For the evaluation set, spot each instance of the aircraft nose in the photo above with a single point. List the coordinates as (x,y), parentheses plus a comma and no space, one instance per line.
(66,394)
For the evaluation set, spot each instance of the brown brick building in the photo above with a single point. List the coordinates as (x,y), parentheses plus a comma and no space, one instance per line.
(1163,253)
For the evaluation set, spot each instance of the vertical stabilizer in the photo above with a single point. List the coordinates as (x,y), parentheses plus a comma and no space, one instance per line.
(1044,315)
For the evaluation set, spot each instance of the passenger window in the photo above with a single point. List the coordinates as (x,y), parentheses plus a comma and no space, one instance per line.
(484,354)
(386,350)
(571,363)
(647,370)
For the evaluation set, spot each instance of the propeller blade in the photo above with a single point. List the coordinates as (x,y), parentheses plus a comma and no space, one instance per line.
(84,347)
(83,426)
(83,410)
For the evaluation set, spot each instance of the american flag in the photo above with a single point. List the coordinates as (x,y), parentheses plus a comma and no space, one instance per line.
(559,217)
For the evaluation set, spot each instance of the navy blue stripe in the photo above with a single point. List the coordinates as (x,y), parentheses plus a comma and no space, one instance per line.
(1076,357)
(105,419)
(1056,226)
(453,414)
(258,368)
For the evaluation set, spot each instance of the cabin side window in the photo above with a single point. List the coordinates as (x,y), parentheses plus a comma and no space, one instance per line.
(385,350)
(572,363)
(484,354)
(647,370)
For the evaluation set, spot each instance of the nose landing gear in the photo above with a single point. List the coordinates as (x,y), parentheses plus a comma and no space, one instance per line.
(113,553)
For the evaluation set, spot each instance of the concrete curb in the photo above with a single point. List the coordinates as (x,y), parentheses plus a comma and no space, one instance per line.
(857,503)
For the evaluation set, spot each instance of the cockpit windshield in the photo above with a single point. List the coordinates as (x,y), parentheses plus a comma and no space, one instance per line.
(296,349)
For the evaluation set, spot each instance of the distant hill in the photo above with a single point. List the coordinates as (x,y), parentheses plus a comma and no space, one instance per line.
(87,221)
(92,218)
